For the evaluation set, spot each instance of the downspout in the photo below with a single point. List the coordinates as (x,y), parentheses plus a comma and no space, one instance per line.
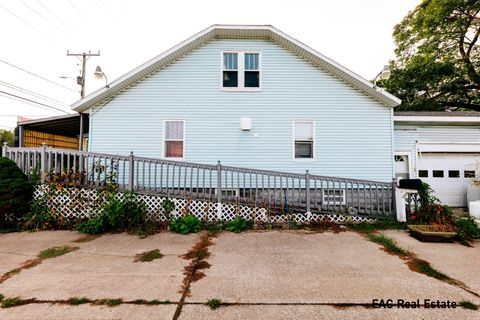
(80,142)
(392,144)
(20,136)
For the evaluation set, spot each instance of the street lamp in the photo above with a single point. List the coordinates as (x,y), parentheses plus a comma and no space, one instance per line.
(99,75)
(382,75)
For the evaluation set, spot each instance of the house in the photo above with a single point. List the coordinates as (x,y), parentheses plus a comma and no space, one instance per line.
(441,148)
(249,96)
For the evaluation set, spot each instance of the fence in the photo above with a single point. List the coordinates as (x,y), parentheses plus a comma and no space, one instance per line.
(277,192)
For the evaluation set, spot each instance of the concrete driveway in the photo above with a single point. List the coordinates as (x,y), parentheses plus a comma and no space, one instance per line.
(257,275)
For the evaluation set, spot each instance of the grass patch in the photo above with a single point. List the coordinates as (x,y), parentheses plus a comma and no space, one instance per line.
(11,302)
(78,301)
(214,303)
(109,302)
(389,244)
(377,225)
(86,238)
(56,252)
(1,297)
(148,256)
(468,305)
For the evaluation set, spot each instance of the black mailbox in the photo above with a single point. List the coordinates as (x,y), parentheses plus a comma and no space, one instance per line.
(415,184)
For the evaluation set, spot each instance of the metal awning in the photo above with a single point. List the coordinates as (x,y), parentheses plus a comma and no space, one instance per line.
(68,125)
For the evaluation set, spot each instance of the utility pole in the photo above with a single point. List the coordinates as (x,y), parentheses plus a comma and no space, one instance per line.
(83,57)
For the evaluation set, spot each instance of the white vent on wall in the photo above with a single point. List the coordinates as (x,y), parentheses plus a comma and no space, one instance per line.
(246,123)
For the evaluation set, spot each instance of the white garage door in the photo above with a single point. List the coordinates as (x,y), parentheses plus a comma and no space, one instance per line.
(448,174)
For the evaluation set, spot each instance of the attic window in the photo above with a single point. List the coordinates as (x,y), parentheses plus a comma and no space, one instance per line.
(241,71)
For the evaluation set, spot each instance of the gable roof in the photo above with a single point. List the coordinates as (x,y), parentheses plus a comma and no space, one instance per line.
(237,31)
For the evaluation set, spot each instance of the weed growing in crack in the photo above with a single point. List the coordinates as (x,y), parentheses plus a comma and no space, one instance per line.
(109,302)
(148,256)
(214,303)
(468,305)
(78,301)
(11,302)
(150,302)
(415,264)
(424,267)
(56,252)
(389,244)
(1,297)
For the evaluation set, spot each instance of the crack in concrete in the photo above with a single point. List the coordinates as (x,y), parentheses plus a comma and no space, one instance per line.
(198,255)
(413,262)
(31,263)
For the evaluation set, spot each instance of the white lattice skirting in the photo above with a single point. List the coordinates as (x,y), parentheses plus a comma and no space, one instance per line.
(84,203)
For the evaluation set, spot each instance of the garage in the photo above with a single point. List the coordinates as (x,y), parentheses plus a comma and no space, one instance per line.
(448,174)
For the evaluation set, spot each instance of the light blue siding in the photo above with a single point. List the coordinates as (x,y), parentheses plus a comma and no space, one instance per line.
(406,135)
(353,132)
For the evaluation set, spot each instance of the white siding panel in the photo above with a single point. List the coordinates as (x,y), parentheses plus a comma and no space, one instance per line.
(353,132)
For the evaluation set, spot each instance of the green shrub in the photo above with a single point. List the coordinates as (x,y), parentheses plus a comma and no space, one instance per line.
(238,225)
(168,206)
(136,215)
(16,193)
(94,226)
(467,230)
(186,224)
(129,214)
(469,227)
(40,216)
(114,212)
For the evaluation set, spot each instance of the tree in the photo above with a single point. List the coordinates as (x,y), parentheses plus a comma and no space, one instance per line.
(437,64)
(6,136)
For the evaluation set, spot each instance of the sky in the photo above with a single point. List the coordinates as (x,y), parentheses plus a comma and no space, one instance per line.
(36,35)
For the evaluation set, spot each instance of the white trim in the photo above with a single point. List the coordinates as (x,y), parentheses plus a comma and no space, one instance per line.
(236,31)
(241,71)
(313,141)
(164,139)
(448,146)
(410,163)
(438,119)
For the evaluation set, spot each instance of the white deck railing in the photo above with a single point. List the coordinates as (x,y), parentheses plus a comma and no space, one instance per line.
(277,191)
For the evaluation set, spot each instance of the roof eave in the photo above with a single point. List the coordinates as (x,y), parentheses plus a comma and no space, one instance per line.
(200,38)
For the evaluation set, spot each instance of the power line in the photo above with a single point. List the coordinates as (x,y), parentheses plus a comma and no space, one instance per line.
(28,24)
(32,101)
(36,75)
(12,86)
(43,18)
(78,11)
(108,11)
(55,15)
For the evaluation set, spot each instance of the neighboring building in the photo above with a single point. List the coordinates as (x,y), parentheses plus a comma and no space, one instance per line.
(249,96)
(57,132)
(441,148)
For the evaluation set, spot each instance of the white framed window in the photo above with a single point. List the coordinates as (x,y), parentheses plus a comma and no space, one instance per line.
(334,196)
(174,139)
(241,71)
(303,140)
